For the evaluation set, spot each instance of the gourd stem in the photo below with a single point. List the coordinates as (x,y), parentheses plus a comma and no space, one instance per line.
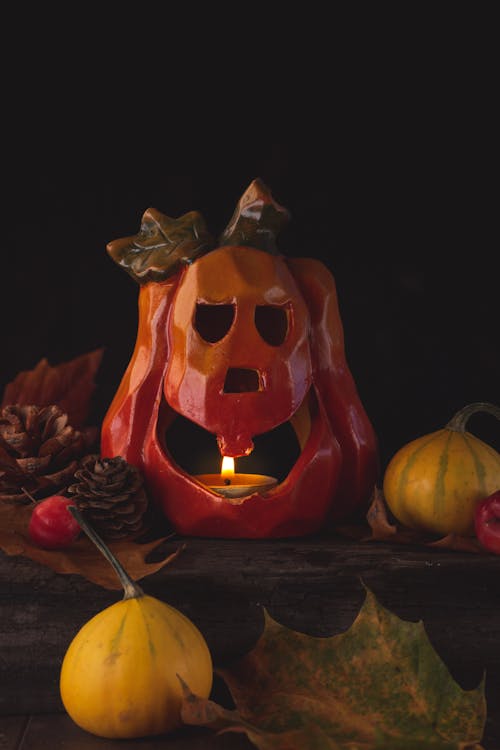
(131,589)
(459,421)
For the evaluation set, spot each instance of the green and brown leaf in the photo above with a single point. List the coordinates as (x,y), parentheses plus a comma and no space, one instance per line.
(378,686)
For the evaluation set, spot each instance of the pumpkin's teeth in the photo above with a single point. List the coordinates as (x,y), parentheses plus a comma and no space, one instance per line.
(235,445)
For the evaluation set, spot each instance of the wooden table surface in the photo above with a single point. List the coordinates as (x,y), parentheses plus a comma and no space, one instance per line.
(58,732)
(312,585)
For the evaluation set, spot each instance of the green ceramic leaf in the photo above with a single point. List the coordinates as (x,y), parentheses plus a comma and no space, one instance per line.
(378,686)
(161,246)
(257,220)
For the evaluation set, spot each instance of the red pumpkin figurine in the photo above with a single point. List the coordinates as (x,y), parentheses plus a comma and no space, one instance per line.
(239,340)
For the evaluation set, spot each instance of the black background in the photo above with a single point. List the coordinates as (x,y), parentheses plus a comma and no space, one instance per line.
(383,148)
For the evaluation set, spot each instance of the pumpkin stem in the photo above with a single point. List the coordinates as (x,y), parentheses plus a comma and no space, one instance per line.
(257,220)
(30,496)
(459,421)
(131,589)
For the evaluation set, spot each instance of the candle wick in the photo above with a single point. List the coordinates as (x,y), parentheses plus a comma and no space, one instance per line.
(227,481)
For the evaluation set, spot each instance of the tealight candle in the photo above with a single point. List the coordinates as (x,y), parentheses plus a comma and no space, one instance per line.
(230,484)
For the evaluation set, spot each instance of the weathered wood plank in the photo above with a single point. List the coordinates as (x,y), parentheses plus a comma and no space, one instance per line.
(11,731)
(52,731)
(312,585)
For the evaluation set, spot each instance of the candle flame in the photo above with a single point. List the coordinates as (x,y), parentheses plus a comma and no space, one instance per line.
(227,468)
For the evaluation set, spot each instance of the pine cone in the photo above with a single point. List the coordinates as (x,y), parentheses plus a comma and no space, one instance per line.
(39,451)
(111,493)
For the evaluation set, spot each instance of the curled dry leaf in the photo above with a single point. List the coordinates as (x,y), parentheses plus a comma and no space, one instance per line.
(384,530)
(459,543)
(69,385)
(378,685)
(82,557)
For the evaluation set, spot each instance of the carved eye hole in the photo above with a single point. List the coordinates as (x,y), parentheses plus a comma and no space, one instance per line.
(213,321)
(271,322)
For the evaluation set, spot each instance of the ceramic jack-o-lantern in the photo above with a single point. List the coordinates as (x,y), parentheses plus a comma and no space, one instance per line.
(238,342)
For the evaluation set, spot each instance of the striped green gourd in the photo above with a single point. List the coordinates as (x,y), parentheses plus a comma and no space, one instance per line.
(434,482)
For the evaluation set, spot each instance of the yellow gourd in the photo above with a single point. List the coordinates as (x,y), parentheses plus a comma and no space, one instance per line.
(434,482)
(120,675)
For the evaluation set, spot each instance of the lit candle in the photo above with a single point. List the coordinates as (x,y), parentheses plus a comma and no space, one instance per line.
(230,484)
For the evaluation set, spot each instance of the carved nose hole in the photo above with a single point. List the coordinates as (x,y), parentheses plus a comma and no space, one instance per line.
(241,380)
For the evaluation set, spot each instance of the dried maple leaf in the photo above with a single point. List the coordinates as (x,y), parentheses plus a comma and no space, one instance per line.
(69,385)
(378,685)
(82,557)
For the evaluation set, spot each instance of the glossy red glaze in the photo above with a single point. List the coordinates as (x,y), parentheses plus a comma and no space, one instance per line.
(349,420)
(173,370)
(297,506)
(243,279)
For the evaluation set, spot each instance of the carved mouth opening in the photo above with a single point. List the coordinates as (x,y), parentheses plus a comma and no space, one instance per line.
(242,380)
(196,451)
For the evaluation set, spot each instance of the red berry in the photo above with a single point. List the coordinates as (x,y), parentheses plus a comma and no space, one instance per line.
(51,524)
(487,521)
